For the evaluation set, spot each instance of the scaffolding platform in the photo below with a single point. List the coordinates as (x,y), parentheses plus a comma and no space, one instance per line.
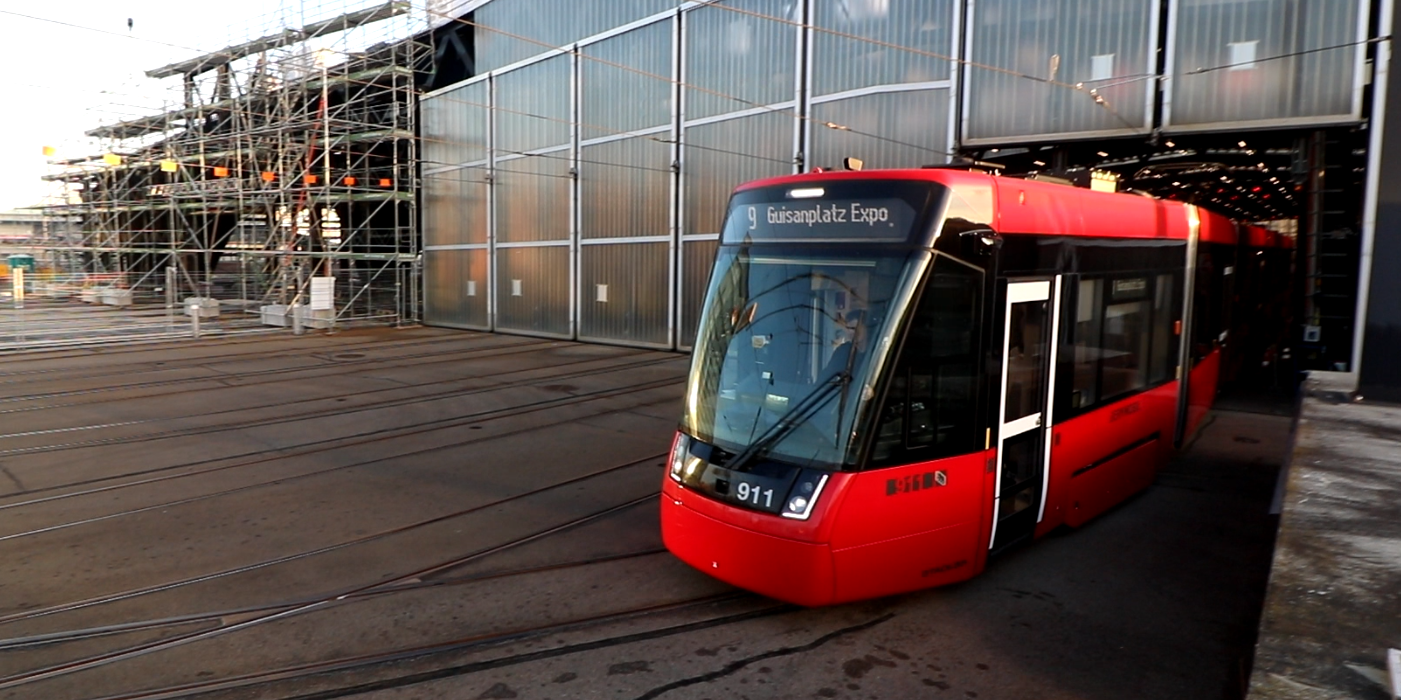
(287,156)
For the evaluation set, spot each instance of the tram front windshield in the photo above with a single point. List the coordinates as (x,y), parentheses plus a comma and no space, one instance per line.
(793,315)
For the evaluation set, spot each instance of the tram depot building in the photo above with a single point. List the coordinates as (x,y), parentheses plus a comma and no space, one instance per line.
(577,156)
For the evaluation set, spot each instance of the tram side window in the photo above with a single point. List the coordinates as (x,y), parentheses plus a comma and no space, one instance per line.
(1162,361)
(930,409)
(1121,337)
(1126,334)
(1085,338)
(1207,308)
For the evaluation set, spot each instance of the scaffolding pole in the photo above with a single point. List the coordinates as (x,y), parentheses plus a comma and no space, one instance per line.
(286,157)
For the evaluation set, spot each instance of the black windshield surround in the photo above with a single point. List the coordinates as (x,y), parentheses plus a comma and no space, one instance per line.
(793,316)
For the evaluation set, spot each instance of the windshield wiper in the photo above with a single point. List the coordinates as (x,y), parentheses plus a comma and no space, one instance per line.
(789,421)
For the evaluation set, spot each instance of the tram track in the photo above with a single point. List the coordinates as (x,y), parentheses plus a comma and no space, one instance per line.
(309,415)
(477,642)
(54,638)
(506,413)
(34,614)
(65,652)
(330,366)
(399,387)
(261,350)
(334,598)
(316,447)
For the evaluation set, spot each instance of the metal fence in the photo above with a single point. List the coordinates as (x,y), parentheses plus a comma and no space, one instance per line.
(55,309)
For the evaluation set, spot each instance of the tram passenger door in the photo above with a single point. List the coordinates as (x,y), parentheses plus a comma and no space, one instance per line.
(1023,415)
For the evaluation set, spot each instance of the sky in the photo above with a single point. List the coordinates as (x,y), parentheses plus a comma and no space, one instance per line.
(60,80)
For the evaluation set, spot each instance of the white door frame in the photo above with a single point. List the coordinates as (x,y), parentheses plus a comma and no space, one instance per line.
(1022,292)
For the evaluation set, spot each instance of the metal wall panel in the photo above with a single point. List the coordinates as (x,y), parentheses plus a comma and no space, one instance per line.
(533,106)
(625,188)
(455,283)
(454,126)
(455,207)
(532,198)
(841,62)
(739,59)
(1104,44)
(441,269)
(1223,36)
(442,209)
(698,257)
(473,287)
(475,189)
(473,106)
(615,99)
(434,135)
(886,130)
(721,155)
(532,289)
(623,292)
(538,25)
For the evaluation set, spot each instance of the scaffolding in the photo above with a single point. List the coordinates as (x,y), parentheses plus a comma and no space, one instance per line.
(278,189)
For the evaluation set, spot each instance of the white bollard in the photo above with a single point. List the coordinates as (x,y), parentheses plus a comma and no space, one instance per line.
(1393,666)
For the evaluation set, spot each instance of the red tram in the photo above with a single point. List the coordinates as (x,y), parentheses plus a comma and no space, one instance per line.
(898,373)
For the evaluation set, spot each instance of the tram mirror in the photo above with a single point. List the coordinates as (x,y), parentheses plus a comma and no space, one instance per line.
(988,239)
(853,164)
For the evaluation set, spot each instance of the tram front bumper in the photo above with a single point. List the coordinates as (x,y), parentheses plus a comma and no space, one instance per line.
(789,570)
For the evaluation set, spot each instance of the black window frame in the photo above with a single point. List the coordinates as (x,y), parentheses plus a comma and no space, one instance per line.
(902,376)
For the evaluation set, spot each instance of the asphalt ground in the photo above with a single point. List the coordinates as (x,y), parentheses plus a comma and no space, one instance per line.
(423,513)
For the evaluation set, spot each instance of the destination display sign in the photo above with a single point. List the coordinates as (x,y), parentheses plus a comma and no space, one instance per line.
(820,219)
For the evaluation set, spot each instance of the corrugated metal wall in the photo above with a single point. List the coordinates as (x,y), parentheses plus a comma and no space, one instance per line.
(1019,47)
(853,47)
(582,195)
(1243,62)
(627,96)
(520,29)
(624,292)
(455,206)
(891,129)
(889,107)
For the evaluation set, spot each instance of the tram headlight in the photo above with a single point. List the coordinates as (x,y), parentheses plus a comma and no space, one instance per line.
(680,449)
(804,495)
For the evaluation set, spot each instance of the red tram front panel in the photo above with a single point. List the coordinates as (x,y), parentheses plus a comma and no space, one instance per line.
(901,529)
(912,527)
(739,551)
